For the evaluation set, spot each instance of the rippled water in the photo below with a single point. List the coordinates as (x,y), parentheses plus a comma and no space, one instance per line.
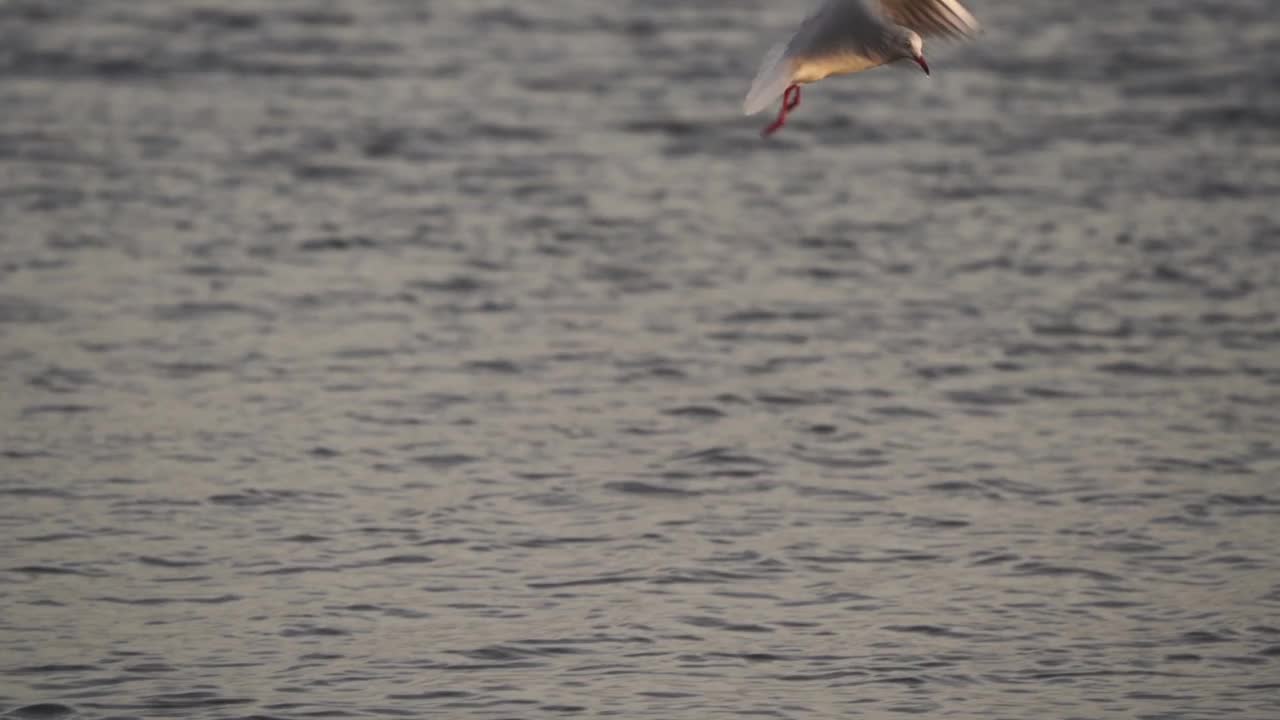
(412,358)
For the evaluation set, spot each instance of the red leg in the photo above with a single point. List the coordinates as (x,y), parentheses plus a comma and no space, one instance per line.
(792,98)
(790,101)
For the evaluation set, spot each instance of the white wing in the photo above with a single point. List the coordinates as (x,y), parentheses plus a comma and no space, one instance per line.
(838,27)
(944,18)
(771,81)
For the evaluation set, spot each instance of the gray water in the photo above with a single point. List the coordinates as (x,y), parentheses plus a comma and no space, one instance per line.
(412,358)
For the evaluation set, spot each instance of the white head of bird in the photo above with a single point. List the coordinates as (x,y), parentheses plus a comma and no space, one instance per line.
(908,45)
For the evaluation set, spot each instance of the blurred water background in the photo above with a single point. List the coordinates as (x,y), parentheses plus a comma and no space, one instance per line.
(413,358)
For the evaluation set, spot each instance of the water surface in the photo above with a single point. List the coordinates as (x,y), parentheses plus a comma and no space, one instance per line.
(415,358)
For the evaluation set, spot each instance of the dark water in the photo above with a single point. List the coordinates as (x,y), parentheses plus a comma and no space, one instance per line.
(477,359)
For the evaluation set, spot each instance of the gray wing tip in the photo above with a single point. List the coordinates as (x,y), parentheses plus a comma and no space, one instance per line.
(770,82)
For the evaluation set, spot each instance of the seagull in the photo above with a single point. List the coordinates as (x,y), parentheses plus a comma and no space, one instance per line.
(849,36)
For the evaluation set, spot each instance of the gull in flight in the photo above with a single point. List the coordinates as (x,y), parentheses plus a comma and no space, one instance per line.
(849,36)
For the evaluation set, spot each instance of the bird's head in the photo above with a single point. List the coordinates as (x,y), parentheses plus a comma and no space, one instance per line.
(910,46)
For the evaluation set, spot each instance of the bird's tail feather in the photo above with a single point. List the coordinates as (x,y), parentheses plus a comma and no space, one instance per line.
(771,81)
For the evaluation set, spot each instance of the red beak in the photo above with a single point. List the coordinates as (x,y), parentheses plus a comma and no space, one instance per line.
(923,65)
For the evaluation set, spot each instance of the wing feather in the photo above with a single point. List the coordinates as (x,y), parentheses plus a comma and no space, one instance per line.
(942,18)
(771,81)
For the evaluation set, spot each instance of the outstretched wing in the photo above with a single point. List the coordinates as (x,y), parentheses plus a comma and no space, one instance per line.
(943,18)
